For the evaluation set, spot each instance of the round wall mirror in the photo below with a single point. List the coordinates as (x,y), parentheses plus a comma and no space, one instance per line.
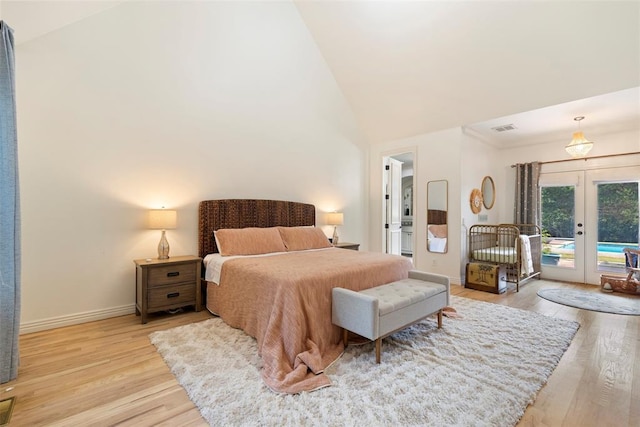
(488,192)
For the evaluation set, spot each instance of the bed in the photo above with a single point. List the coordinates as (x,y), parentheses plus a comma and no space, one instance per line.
(283,297)
(516,247)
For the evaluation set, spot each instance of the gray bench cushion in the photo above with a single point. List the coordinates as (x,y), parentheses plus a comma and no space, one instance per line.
(402,293)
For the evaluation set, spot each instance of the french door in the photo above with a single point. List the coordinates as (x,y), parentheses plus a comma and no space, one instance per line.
(587,218)
(563,218)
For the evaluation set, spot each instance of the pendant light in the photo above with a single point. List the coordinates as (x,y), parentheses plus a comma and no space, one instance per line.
(579,145)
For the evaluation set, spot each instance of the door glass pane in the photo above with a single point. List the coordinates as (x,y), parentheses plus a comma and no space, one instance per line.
(558,225)
(617,223)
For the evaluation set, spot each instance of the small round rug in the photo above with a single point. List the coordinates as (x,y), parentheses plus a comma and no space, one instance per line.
(594,301)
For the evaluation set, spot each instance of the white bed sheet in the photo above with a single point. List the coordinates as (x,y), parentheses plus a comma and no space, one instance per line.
(213,263)
(437,244)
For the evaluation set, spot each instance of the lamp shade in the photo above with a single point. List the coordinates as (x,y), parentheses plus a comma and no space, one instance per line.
(579,145)
(335,218)
(162,219)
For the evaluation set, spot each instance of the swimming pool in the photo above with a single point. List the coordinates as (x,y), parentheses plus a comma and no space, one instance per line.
(615,248)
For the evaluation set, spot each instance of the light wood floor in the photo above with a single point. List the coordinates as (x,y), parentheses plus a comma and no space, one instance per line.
(108,373)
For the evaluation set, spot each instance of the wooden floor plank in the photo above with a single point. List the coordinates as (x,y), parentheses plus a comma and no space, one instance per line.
(108,373)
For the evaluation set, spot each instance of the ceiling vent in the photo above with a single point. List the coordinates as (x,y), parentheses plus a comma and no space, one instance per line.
(504,128)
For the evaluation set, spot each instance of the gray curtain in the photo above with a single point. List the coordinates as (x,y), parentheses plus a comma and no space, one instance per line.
(527,206)
(9,213)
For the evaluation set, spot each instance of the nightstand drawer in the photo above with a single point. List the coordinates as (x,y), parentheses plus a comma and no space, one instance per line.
(172,296)
(169,274)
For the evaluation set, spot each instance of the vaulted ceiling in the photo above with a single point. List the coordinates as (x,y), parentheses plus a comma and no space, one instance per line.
(409,68)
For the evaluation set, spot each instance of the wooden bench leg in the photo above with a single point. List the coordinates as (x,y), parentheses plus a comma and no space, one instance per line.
(440,319)
(345,337)
(378,346)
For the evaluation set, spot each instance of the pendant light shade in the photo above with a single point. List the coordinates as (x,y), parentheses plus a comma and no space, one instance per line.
(579,145)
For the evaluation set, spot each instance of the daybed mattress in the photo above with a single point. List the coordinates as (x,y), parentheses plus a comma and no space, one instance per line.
(497,254)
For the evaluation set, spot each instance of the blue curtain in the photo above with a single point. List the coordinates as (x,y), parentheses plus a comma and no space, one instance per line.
(9,212)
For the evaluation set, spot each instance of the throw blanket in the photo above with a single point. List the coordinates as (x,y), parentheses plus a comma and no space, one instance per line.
(526,261)
(284,301)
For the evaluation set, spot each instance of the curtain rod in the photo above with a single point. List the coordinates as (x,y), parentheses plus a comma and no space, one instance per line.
(587,158)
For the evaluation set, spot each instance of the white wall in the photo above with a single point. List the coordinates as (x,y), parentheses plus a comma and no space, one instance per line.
(437,157)
(165,104)
(478,159)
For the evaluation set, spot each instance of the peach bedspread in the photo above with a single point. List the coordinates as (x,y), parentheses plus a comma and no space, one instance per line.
(284,301)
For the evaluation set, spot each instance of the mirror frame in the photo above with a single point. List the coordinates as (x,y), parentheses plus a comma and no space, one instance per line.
(488,192)
(443,207)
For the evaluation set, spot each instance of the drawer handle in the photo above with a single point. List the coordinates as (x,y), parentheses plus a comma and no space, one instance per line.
(173,274)
(173,295)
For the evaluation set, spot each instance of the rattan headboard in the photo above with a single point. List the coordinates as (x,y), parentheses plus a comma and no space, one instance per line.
(241,213)
(435,216)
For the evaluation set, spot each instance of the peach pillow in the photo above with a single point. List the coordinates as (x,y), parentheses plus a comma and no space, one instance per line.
(248,241)
(439,231)
(301,238)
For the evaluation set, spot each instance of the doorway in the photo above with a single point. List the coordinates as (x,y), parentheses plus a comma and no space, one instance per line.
(398,204)
(588,217)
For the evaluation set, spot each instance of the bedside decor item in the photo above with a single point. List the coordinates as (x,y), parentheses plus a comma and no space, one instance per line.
(163,219)
(335,219)
(579,145)
(475,201)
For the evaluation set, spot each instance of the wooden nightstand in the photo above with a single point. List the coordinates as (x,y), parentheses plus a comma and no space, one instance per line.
(165,284)
(347,245)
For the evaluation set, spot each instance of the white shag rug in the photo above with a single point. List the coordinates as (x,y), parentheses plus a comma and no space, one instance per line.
(479,370)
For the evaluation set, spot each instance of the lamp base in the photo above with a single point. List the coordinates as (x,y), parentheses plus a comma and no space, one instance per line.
(334,239)
(163,247)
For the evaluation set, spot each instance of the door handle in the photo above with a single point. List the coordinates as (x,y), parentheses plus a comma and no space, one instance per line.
(579,233)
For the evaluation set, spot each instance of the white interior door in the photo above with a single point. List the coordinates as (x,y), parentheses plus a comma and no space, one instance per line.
(393,201)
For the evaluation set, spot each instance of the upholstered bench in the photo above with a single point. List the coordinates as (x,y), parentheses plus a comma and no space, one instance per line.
(379,311)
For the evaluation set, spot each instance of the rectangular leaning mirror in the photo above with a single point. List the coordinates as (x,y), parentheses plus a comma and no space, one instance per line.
(437,202)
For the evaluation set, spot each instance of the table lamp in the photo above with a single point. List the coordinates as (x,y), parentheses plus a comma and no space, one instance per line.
(163,219)
(335,219)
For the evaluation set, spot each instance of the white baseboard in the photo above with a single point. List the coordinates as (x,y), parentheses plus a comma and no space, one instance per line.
(75,319)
